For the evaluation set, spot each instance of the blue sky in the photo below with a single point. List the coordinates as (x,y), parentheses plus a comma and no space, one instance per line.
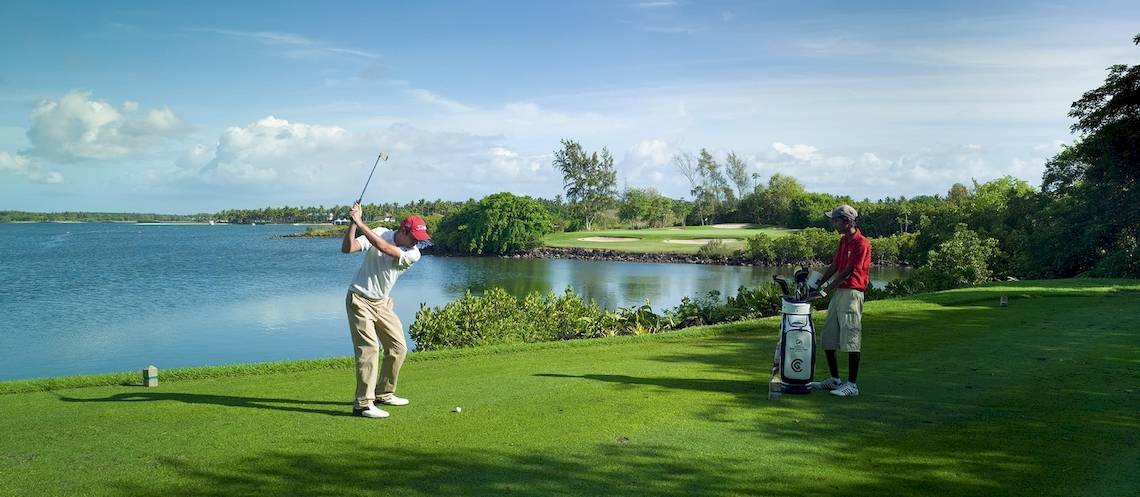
(199,106)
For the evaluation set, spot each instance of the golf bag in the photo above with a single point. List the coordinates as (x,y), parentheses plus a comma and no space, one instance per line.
(795,350)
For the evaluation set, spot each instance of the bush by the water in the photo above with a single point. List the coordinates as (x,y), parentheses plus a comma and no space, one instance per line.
(748,303)
(502,223)
(497,317)
(963,260)
(761,249)
(715,248)
(792,249)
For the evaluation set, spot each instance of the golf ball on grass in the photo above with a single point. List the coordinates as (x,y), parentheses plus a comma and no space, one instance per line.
(457,409)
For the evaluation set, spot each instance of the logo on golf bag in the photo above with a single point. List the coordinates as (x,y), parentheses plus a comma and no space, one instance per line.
(798,365)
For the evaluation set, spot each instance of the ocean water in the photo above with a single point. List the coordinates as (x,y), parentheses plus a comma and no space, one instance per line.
(93,298)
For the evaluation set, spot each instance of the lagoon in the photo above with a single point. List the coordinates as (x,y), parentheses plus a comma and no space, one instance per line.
(94,298)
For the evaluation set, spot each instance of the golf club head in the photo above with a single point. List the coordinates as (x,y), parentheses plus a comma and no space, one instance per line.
(424,244)
(802,275)
(783,284)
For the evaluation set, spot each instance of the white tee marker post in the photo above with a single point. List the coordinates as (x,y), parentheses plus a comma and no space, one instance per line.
(150,376)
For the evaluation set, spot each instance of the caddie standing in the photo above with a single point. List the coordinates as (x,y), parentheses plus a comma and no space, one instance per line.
(843,329)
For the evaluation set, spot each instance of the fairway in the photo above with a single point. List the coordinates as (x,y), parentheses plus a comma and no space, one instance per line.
(661,240)
(960,397)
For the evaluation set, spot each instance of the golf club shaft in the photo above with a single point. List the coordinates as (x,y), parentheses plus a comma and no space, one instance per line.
(369,180)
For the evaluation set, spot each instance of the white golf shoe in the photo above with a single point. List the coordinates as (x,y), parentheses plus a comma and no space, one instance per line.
(393,401)
(370,412)
(847,389)
(828,384)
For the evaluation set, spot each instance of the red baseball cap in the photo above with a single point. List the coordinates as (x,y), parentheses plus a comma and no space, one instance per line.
(415,226)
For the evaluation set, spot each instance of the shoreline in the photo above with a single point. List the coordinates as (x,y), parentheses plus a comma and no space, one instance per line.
(610,255)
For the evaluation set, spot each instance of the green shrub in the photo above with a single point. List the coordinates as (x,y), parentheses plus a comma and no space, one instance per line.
(761,249)
(561,317)
(715,248)
(792,249)
(746,304)
(908,247)
(754,303)
(497,317)
(964,259)
(502,223)
(885,250)
(1122,261)
(823,243)
(470,321)
(708,309)
(639,320)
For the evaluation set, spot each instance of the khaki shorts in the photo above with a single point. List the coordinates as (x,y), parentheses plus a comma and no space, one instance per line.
(843,329)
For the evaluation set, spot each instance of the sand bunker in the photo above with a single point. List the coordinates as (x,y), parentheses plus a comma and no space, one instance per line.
(608,239)
(702,241)
(730,226)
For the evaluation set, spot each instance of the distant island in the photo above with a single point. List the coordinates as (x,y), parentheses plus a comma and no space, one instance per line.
(337,214)
(101,217)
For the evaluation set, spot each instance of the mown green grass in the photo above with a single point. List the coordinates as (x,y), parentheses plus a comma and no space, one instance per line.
(654,240)
(960,397)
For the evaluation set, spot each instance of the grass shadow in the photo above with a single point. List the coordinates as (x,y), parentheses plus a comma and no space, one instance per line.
(275,404)
(743,388)
(619,468)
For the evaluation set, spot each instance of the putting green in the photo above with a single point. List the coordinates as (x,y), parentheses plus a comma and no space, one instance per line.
(658,240)
(605,239)
(703,241)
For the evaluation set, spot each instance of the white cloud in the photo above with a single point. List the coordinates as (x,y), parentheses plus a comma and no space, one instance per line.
(77,128)
(510,165)
(431,98)
(295,45)
(657,152)
(532,123)
(798,151)
(656,5)
(649,163)
(299,162)
(21,165)
(928,170)
(265,150)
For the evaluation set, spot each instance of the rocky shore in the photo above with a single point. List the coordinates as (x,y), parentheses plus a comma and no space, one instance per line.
(621,256)
(586,254)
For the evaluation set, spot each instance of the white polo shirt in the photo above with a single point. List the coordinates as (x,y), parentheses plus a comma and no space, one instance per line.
(377,274)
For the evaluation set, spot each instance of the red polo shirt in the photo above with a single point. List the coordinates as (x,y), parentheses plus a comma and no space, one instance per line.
(854,251)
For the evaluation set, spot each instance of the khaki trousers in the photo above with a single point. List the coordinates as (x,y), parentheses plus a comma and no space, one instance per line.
(373,323)
(843,329)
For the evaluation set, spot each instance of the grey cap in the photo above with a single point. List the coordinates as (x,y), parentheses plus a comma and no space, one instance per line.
(843,211)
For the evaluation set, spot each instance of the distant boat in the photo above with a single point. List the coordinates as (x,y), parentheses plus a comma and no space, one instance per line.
(211,222)
(253,224)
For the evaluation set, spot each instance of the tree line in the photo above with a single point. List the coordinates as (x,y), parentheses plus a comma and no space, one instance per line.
(1081,220)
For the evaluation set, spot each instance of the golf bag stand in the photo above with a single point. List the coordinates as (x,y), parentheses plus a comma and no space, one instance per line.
(795,350)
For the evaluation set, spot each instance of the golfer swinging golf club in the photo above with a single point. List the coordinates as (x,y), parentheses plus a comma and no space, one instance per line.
(843,328)
(372,318)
